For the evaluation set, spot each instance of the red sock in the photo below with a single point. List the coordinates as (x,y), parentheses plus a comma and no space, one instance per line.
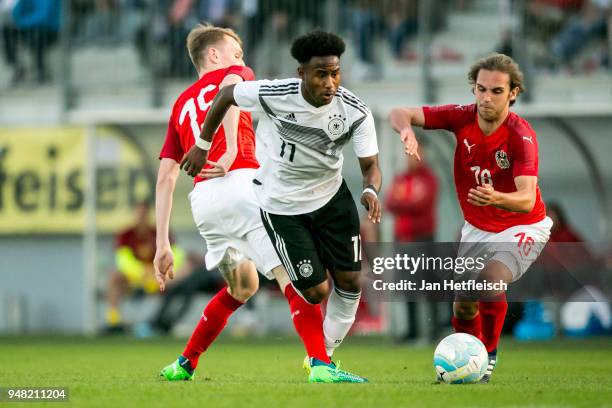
(493,314)
(214,318)
(471,326)
(308,322)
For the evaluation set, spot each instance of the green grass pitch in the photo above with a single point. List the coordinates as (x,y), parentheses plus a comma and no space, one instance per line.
(122,372)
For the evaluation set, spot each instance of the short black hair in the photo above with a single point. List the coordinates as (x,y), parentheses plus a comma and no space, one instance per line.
(316,43)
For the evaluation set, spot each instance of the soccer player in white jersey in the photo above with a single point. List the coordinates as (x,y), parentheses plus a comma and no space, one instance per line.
(306,206)
(237,242)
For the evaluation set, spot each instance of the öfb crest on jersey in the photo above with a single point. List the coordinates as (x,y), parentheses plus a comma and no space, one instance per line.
(502,159)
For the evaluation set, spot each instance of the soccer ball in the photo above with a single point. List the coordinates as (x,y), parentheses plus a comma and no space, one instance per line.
(460,359)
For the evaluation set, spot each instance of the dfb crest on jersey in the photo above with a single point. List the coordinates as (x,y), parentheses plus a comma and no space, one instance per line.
(336,125)
(305,268)
(502,159)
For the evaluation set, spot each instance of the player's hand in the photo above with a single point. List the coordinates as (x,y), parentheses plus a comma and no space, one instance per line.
(164,266)
(371,203)
(219,169)
(482,196)
(411,145)
(194,160)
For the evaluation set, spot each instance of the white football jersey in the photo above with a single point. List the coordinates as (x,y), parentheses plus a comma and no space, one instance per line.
(300,146)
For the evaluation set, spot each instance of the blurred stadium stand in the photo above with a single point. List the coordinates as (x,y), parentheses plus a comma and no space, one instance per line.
(117,65)
(130,53)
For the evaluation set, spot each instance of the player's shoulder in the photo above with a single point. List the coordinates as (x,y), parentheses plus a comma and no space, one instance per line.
(350,99)
(461,111)
(279,87)
(518,126)
(243,71)
(453,111)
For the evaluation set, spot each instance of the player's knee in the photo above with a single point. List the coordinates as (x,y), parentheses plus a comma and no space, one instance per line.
(348,281)
(243,293)
(495,271)
(316,294)
(240,275)
(465,310)
(243,287)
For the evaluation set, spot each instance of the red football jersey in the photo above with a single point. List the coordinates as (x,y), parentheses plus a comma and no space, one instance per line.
(496,159)
(188,116)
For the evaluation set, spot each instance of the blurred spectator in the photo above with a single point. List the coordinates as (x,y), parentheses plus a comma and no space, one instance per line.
(172,25)
(102,26)
(367,23)
(543,19)
(402,22)
(221,13)
(412,199)
(270,25)
(397,21)
(107,22)
(580,30)
(179,20)
(134,253)
(36,23)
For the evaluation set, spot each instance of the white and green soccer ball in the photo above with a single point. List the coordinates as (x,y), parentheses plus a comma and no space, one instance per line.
(460,359)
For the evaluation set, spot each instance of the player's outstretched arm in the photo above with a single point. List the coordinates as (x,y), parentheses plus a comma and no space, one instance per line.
(372,181)
(230,124)
(166,182)
(522,200)
(196,156)
(402,120)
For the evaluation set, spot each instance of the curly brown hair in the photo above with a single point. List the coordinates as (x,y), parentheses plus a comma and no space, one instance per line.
(501,63)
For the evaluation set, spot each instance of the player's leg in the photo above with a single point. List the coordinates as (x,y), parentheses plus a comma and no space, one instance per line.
(493,306)
(215,205)
(515,249)
(295,246)
(339,244)
(466,317)
(306,317)
(341,310)
(242,283)
(482,314)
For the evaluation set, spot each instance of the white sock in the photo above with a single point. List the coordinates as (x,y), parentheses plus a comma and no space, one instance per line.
(340,315)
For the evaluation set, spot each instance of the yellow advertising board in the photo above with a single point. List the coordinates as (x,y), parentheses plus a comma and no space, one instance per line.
(43,179)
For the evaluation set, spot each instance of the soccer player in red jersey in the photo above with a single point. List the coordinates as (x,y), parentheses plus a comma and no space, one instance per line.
(496,179)
(236,240)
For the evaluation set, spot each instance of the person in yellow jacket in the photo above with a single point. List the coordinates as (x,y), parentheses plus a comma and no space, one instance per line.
(134,253)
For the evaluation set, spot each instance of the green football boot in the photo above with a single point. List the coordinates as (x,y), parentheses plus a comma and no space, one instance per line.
(331,373)
(177,371)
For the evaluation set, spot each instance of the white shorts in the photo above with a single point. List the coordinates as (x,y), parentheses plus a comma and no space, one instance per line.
(227,215)
(516,247)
